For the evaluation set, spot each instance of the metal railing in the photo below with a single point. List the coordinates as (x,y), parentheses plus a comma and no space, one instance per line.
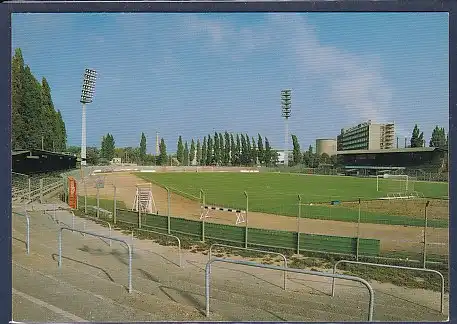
(95,220)
(393,267)
(309,272)
(27,217)
(254,250)
(164,234)
(101,236)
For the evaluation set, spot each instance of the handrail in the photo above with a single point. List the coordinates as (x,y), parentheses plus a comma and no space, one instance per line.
(264,266)
(102,236)
(394,267)
(255,250)
(96,220)
(27,217)
(165,234)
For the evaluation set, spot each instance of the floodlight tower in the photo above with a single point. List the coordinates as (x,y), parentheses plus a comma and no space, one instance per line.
(285,108)
(87,94)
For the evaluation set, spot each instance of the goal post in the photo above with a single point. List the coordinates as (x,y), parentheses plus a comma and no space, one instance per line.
(393,183)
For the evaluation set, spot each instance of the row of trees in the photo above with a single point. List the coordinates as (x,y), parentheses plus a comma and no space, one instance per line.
(35,122)
(220,149)
(439,138)
(226,149)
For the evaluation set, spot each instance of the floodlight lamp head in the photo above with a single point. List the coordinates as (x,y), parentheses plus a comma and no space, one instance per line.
(87,92)
(285,103)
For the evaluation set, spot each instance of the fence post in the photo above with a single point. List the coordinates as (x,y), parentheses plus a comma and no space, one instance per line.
(202,194)
(41,191)
(98,202)
(246,228)
(424,260)
(298,224)
(63,190)
(139,208)
(358,232)
(114,207)
(168,209)
(85,196)
(30,189)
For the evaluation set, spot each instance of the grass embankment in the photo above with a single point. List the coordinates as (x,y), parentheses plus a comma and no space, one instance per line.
(308,260)
(278,194)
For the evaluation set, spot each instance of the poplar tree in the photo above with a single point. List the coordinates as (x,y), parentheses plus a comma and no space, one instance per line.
(204,152)
(180,151)
(260,150)
(186,154)
(232,150)
(163,157)
(192,154)
(227,148)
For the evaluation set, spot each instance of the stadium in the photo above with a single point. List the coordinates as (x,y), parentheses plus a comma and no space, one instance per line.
(232,225)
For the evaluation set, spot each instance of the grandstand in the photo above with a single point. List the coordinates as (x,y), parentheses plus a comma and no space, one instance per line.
(392,161)
(40,161)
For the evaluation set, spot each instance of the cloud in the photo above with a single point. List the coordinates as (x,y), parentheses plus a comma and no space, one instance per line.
(354,81)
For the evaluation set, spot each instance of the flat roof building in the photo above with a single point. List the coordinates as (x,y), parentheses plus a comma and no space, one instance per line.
(367,136)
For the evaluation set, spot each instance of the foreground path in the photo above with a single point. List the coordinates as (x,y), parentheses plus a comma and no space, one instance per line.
(91,285)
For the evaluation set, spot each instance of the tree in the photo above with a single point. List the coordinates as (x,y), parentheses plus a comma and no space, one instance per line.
(261,153)
(324,159)
(163,157)
(17,104)
(32,111)
(92,155)
(217,151)
(108,147)
(186,154)
(243,150)
(248,151)
(417,138)
(438,138)
(50,131)
(254,152)
(227,147)
(209,150)
(309,158)
(180,151)
(232,150)
(142,148)
(199,152)
(192,152)
(268,154)
(61,141)
(238,150)
(297,155)
(204,152)
(35,122)
(221,149)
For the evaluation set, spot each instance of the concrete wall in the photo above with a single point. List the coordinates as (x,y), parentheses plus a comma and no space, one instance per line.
(327,146)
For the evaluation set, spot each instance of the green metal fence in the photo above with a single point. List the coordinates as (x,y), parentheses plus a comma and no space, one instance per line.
(256,236)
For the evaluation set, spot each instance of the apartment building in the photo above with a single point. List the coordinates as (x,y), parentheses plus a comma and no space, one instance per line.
(367,136)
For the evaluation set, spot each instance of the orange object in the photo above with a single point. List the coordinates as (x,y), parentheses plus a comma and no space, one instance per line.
(72,193)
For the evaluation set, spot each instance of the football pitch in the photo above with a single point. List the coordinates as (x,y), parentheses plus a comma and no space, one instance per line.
(275,193)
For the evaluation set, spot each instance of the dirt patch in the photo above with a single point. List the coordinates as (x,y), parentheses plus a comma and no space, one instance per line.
(437,209)
(393,238)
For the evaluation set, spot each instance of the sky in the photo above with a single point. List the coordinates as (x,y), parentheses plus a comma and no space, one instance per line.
(193,74)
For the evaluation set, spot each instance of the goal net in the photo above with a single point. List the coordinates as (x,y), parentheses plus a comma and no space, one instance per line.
(390,183)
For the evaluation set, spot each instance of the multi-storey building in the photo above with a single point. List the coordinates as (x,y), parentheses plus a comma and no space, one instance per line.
(367,136)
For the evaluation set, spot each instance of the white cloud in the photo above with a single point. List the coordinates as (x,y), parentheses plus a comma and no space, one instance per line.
(354,81)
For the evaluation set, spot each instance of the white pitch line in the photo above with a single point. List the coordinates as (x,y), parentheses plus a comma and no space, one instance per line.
(49,306)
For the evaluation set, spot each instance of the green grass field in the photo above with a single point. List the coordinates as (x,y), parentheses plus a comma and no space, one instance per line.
(278,193)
